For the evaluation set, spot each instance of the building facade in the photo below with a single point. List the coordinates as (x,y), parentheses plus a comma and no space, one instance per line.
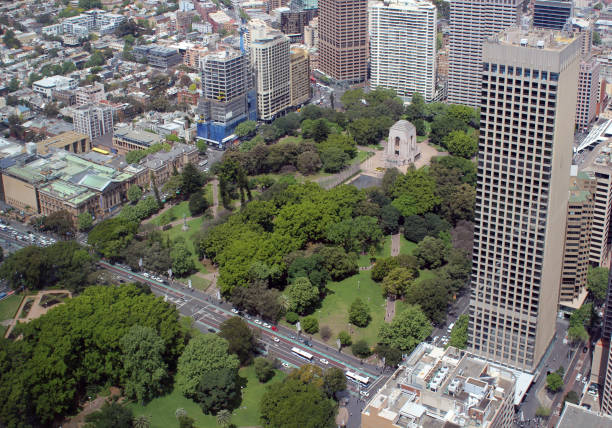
(552,14)
(528,104)
(588,93)
(93,120)
(90,94)
(270,61)
(605,369)
(227,98)
(403,47)
(343,39)
(299,76)
(576,250)
(471,22)
(402,148)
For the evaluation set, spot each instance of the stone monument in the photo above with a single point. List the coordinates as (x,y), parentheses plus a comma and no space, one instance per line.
(402,148)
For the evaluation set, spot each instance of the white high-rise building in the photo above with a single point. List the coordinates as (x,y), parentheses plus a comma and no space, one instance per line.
(94,120)
(403,47)
(471,22)
(270,59)
(529,82)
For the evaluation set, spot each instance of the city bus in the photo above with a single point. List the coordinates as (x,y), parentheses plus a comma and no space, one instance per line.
(302,354)
(363,380)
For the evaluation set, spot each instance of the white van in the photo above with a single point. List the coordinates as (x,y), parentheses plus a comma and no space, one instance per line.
(450,327)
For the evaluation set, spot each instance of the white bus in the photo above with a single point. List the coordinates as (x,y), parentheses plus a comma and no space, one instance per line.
(302,354)
(363,380)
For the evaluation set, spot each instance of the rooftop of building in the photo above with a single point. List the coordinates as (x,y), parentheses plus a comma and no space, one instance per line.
(537,38)
(9,148)
(67,192)
(404,4)
(50,82)
(579,196)
(61,165)
(599,157)
(577,416)
(63,138)
(159,159)
(142,138)
(435,387)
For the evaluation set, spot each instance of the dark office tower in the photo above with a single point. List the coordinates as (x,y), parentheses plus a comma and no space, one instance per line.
(553,14)
(471,22)
(343,39)
(528,103)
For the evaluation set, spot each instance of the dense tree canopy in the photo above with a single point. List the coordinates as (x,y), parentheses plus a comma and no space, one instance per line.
(407,330)
(597,283)
(77,346)
(240,338)
(110,236)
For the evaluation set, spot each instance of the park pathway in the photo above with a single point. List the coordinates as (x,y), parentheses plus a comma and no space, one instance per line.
(215,192)
(395,250)
(36,309)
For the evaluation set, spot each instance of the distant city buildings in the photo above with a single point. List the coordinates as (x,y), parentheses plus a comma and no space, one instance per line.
(522,193)
(343,39)
(471,22)
(403,47)
(552,14)
(438,387)
(71,141)
(125,140)
(299,77)
(158,56)
(47,85)
(588,93)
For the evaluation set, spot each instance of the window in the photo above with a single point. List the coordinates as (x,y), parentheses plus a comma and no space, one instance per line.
(485,66)
(536,74)
(494,68)
(545,75)
(554,77)
(527,72)
(519,71)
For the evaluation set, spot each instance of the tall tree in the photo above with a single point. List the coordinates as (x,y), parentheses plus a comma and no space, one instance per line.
(218,390)
(110,415)
(205,353)
(143,364)
(240,338)
(303,296)
(406,331)
(597,283)
(334,381)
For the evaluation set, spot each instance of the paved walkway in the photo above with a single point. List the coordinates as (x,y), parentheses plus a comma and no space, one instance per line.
(36,310)
(215,192)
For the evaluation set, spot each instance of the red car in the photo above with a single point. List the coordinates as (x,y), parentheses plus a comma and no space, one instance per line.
(274,328)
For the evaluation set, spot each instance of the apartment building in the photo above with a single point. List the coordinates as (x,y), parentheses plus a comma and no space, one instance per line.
(528,90)
(270,61)
(343,39)
(403,47)
(588,93)
(158,56)
(471,22)
(93,120)
(47,85)
(438,387)
(299,76)
(90,94)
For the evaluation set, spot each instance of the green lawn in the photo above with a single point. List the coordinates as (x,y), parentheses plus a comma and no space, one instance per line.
(194,225)
(406,246)
(362,155)
(161,410)
(335,306)
(9,306)
(291,139)
(175,213)
(384,251)
(208,193)
(197,282)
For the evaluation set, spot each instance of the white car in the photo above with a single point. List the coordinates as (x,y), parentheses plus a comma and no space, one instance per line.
(365,393)
(258,322)
(578,377)
(324,361)
(266,325)
(285,365)
(234,310)
(146,275)
(276,339)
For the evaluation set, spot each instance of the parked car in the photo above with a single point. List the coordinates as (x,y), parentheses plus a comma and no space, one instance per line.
(258,322)
(276,339)
(324,361)
(266,325)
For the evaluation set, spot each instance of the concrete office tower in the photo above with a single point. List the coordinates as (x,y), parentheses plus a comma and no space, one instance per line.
(343,39)
(403,47)
(588,93)
(471,22)
(270,60)
(577,240)
(552,14)
(93,120)
(528,89)
(227,95)
(299,76)
(598,165)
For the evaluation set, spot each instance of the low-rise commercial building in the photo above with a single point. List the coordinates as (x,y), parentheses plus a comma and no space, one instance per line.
(48,84)
(437,388)
(73,142)
(125,140)
(158,56)
(163,163)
